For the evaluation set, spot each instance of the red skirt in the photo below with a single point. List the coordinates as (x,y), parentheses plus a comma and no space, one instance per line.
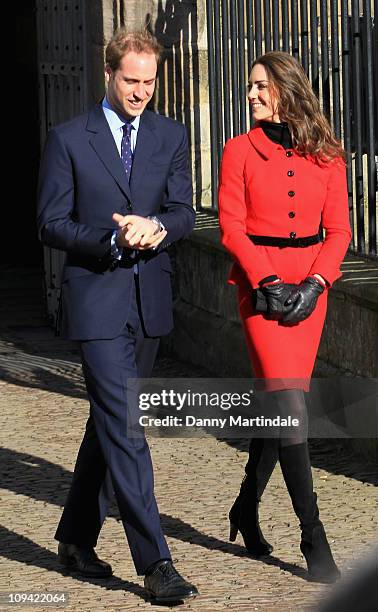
(279,351)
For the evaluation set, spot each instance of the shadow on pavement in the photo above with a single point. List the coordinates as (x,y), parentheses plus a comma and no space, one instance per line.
(44,481)
(19,548)
(176,528)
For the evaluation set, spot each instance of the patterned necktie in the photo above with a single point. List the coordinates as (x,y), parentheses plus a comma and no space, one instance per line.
(126,153)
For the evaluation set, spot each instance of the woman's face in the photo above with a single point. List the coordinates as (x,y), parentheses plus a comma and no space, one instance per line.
(261,96)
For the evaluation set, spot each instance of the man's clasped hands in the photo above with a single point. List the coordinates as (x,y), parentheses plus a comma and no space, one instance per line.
(138,232)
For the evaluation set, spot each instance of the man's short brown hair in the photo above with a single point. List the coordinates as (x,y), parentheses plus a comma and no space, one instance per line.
(123,42)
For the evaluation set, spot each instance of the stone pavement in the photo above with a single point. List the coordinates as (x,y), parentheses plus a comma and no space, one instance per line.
(43,411)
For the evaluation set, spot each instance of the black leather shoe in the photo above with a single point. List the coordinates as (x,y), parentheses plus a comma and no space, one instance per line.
(83,560)
(164,584)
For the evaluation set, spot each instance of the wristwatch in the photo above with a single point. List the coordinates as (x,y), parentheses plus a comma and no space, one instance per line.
(158,223)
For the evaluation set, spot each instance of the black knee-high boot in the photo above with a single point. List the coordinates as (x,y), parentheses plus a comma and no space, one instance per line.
(244,517)
(296,470)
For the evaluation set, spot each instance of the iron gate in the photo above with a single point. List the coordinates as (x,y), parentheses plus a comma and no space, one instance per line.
(63,79)
(337,43)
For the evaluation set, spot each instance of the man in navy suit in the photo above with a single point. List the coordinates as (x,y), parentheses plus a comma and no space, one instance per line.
(114,192)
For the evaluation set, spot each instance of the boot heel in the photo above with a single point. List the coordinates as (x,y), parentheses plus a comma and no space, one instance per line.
(233,532)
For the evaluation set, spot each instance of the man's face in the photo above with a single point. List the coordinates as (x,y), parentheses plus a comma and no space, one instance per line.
(131,87)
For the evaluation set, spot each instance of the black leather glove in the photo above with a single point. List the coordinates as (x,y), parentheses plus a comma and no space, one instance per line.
(276,297)
(303,300)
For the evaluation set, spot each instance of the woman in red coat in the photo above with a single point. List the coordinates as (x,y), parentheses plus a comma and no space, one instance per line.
(277,184)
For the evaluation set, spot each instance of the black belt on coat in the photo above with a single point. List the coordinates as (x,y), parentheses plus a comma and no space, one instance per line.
(276,241)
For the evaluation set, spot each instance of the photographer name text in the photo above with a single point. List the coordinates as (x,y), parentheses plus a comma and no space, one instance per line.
(221,423)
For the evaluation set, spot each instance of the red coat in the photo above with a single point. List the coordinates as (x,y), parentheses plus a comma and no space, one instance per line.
(267,191)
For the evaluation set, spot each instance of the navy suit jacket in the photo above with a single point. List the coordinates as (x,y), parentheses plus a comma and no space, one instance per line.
(82,183)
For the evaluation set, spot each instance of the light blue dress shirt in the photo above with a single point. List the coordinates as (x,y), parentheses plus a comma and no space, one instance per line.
(116,123)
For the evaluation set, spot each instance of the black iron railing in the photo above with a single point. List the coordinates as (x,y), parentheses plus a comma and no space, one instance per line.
(337,43)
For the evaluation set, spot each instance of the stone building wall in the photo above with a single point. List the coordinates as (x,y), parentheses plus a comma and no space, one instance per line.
(182,90)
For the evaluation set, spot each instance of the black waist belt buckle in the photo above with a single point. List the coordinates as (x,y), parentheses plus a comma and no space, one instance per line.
(277,241)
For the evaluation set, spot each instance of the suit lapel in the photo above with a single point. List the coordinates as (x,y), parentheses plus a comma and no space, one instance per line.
(103,143)
(145,147)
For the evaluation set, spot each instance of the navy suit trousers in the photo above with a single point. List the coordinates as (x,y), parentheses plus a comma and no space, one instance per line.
(109,459)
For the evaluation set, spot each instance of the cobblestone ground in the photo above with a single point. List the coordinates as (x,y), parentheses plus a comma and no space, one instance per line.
(43,411)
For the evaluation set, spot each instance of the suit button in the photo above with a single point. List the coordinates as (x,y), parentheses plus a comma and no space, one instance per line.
(291,193)
(128,206)
(291,214)
(290,173)
(292,234)
(289,153)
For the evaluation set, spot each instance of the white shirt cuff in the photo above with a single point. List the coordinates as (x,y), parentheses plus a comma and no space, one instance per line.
(115,250)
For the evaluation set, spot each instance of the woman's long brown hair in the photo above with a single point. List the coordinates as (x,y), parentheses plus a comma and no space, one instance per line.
(298,106)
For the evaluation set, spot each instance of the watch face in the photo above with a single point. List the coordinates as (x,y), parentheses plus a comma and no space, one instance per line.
(157,222)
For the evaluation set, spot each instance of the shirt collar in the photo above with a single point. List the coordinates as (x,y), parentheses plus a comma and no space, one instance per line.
(116,121)
(263,145)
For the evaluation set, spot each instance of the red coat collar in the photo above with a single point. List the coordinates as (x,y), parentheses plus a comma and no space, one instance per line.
(262,143)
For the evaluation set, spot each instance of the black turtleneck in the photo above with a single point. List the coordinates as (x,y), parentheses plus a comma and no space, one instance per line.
(278,133)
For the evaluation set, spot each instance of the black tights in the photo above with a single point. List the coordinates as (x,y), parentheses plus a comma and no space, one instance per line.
(265,452)
(291,403)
